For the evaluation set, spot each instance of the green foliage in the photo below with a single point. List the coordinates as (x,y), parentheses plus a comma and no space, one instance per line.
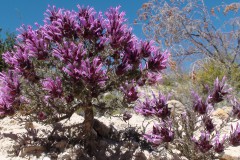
(178,85)
(108,104)
(172,79)
(207,70)
(5,45)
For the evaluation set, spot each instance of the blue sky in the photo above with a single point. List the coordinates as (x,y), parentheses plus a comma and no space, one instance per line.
(14,13)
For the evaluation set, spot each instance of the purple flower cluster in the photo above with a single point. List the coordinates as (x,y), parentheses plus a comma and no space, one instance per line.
(236,108)
(119,33)
(204,143)
(219,91)
(160,134)
(235,136)
(53,87)
(92,25)
(153,77)
(146,48)
(20,62)
(35,45)
(123,68)
(207,121)
(132,51)
(158,61)
(150,78)
(62,25)
(200,106)
(92,72)
(145,108)
(130,92)
(70,53)
(219,145)
(217,95)
(156,107)
(9,92)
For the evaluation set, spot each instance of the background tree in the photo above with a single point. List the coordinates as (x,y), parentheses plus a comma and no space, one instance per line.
(187,27)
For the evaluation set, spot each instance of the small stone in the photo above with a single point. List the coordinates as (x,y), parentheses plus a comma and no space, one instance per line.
(13,121)
(107,153)
(176,107)
(220,113)
(65,156)
(227,109)
(231,153)
(46,158)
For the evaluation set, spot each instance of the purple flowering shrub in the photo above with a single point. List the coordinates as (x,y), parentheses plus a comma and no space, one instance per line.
(71,60)
(193,131)
(76,57)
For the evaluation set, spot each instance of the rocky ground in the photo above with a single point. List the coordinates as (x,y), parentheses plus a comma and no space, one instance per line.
(130,149)
(11,149)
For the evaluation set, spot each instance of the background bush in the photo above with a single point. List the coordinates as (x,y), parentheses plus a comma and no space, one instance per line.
(206,71)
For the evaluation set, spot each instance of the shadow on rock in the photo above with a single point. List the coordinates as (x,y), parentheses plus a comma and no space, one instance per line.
(65,143)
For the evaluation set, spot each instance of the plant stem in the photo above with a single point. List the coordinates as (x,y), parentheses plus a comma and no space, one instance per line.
(88,120)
